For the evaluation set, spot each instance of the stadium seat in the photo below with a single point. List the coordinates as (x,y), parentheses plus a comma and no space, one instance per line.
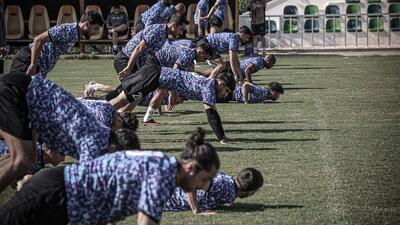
(394,8)
(97,9)
(394,20)
(270,25)
(374,1)
(375,25)
(374,9)
(311,10)
(311,26)
(138,12)
(290,27)
(332,26)
(393,0)
(395,24)
(66,14)
(14,20)
(120,37)
(39,21)
(332,11)
(352,1)
(354,25)
(290,10)
(353,9)
(228,21)
(190,17)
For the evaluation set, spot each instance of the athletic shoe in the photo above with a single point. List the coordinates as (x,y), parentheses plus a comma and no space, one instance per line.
(90,88)
(151,122)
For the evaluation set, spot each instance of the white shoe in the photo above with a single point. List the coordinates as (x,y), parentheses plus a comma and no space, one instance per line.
(90,89)
(209,62)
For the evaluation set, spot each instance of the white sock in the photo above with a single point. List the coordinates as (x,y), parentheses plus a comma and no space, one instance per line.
(115,47)
(149,114)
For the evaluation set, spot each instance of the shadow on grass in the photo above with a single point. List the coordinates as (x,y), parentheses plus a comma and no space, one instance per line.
(200,123)
(255,207)
(272,130)
(180,113)
(306,68)
(270,140)
(303,88)
(234,141)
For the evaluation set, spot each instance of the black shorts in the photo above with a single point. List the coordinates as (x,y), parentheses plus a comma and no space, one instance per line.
(42,201)
(13,106)
(215,21)
(22,60)
(144,81)
(121,61)
(258,29)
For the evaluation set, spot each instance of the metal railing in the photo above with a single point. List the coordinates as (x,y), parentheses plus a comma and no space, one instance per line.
(291,32)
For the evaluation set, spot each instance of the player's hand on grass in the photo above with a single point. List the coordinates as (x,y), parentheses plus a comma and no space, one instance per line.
(31,70)
(124,73)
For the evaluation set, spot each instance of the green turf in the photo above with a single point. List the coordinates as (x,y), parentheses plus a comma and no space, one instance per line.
(329,148)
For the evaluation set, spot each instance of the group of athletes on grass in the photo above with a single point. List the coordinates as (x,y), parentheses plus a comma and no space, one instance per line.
(41,123)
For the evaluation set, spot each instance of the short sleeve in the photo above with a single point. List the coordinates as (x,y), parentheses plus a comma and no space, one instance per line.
(209,94)
(156,190)
(149,35)
(64,33)
(186,59)
(234,42)
(88,150)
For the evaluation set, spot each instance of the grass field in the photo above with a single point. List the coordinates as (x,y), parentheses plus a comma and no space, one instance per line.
(329,149)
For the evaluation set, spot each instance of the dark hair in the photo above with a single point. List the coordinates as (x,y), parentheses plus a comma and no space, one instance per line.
(116,6)
(271,59)
(223,77)
(245,30)
(124,139)
(203,153)
(206,46)
(93,17)
(130,120)
(276,86)
(250,179)
(179,19)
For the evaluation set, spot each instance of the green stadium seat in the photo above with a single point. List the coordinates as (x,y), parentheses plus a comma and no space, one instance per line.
(290,27)
(311,10)
(332,26)
(374,9)
(353,9)
(374,1)
(393,0)
(375,25)
(354,25)
(352,1)
(394,8)
(332,11)
(311,26)
(395,24)
(271,26)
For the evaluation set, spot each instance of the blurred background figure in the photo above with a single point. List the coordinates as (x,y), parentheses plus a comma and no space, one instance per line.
(117,25)
(257,9)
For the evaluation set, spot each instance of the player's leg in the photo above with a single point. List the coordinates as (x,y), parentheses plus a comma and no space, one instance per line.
(41,201)
(19,161)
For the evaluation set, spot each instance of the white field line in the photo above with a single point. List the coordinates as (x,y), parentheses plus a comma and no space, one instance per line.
(335,200)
